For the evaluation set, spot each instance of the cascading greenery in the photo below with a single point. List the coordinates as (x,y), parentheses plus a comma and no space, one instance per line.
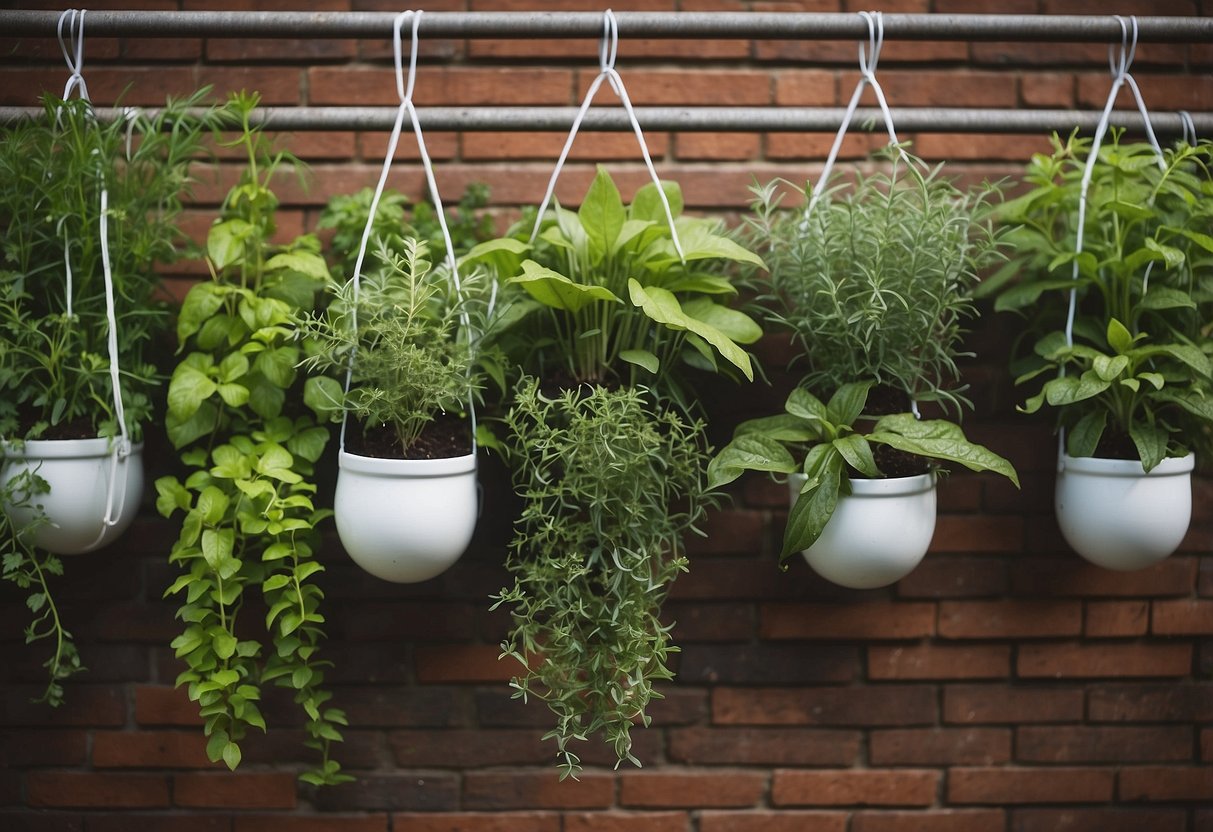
(54,366)
(249,520)
(611,469)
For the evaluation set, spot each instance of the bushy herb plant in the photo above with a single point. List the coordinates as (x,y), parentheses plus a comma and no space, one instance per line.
(54,367)
(874,286)
(412,359)
(236,414)
(1137,382)
(611,487)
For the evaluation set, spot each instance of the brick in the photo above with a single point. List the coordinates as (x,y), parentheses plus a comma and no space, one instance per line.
(854,788)
(1047,89)
(806,88)
(1009,619)
(626,821)
(477,822)
(938,88)
(1077,660)
(726,146)
(977,533)
(1110,619)
(955,147)
(536,790)
(156,705)
(763,746)
(451,87)
(589,147)
(939,746)
(327,822)
(767,663)
(883,705)
(729,532)
(1107,744)
(444,748)
(681,88)
(81,790)
(692,789)
(1072,576)
(936,820)
(939,661)
(995,704)
(406,792)
(770,821)
(234,791)
(21,749)
(146,822)
(877,620)
(940,577)
(1182,617)
(1166,783)
(1164,702)
(85,706)
(463,663)
(150,749)
(715,623)
(1195,92)
(1117,819)
(1002,785)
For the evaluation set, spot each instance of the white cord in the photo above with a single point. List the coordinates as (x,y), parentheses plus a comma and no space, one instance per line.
(608,49)
(404,89)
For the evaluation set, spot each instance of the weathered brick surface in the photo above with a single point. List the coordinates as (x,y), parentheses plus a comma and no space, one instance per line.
(1005,685)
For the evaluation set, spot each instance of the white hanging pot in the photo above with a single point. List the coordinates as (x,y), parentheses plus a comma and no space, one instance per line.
(80,473)
(877,534)
(405,520)
(1117,516)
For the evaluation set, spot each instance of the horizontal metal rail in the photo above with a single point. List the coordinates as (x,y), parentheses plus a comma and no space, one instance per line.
(694,119)
(674,25)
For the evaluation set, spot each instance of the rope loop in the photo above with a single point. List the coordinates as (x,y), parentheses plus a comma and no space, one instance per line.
(73,51)
(869,58)
(403,90)
(1189,128)
(1119,63)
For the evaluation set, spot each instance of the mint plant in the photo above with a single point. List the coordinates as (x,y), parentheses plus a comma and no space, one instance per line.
(249,524)
(1138,377)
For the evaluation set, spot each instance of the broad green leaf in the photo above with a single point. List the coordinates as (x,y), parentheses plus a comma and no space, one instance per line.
(1191,401)
(183,431)
(1185,353)
(557,291)
(172,495)
(812,510)
(233,395)
(304,262)
(502,255)
(231,756)
(187,390)
(1165,297)
(277,365)
(1083,438)
(1028,293)
(1071,389)
(858,454)
(224,644)
(646,204)
(641,358)
(782,427)
(217,546)
(939,439)
(602,214)
(225,242)
(1173,257)
(309,444)
(216,744)
(212,505)
(748,452)
(848,402)
(1108,368)
(200,304)
(661,306)
(1151,443)
(1119,337)
(737,325)
(1201,239)
(1129,210)
(324,396)
(707,284)
(232,367)
(805,405)
(699,243)
(265,398)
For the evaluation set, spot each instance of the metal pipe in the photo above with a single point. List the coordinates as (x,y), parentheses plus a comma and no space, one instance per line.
(676,25)
(693,119)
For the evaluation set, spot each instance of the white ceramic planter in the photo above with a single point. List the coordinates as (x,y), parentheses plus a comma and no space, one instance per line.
(79,472)
(405,520)
(1116,515)
(878,533)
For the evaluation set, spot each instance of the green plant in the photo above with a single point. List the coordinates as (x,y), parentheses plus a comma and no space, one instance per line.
(876,283)
(611,486)
(833,449)
(249,521)
(412,360)
(31,568)
(1137,381)
(621,305)
(54,364)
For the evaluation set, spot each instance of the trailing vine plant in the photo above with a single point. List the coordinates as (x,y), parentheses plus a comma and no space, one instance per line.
(249,520)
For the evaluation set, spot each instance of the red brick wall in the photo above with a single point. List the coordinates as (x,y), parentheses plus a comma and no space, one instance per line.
(1004,685)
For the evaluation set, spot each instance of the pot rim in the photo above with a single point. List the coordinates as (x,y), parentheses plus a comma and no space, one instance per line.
(406,468)
(1101,466)
(92,448)
(885,486)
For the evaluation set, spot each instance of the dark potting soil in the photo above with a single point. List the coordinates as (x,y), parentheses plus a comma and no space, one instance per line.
(79,428)
(445,437)
(885,401)
(1116,445)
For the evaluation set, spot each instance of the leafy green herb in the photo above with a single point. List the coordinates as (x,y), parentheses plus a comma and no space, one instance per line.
(235,411)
